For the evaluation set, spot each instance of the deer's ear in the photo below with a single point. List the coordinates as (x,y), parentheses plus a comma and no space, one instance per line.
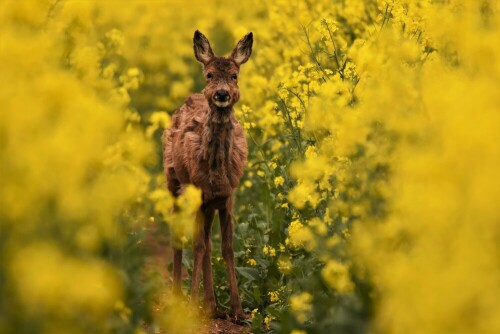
(202,50)
(243,49)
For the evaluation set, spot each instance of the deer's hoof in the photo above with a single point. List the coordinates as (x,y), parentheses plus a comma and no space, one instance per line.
(240,318)
(218,314)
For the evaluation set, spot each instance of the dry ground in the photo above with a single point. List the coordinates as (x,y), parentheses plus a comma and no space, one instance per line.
(220,326)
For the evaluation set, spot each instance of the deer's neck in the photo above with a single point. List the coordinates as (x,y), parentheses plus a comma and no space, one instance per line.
(218,138)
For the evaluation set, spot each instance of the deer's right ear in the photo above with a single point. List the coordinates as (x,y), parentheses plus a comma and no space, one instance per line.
(202,50)
(243,49)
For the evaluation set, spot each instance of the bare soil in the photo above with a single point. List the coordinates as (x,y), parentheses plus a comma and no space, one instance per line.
(220,326)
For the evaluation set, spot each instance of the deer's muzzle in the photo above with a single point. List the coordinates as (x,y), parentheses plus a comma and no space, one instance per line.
(222,96)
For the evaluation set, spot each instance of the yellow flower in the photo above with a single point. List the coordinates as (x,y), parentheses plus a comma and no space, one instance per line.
(304,192)
(279,181)
(284,265)
(311,152)
(133,72)
(268,250)
(267,321)
(318,226)
(274,296)
(272,251)
(346,233)
(252,262)
(246,109)
(301,235)
(298,331)
(336,275)
(300,305)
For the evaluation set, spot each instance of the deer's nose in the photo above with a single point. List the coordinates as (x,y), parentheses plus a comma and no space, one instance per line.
(221,96)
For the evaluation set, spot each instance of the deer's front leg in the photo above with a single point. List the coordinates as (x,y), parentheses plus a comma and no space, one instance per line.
(198,253)
(228,255)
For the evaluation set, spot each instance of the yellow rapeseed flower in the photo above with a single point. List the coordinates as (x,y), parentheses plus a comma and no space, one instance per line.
(337,276)
(279,181)
(274,296)
(284,264)
(301,235)
(298,331)
(300,304)
(267,321)
(252,262)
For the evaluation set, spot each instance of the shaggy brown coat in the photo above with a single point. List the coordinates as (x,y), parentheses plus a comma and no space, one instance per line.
(206,147)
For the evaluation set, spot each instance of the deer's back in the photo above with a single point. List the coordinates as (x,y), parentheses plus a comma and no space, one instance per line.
(186,150)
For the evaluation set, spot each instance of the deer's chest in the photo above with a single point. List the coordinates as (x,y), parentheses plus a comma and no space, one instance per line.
(208,163)
(215,172)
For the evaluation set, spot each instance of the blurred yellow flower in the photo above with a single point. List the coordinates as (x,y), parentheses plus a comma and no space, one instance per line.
(284,265)
(300,305)
(279,181)
(301,235)
(337,276)
(298,331)
(252,262)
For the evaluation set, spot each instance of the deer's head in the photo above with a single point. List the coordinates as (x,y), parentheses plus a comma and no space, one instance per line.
(221,73)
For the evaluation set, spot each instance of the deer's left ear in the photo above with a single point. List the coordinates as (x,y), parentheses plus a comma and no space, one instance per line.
(243,49)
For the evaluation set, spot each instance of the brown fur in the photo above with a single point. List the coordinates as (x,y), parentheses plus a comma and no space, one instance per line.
(206,147)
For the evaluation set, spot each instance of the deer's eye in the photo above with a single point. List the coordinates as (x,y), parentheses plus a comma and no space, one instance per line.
(209,76)
(234,77)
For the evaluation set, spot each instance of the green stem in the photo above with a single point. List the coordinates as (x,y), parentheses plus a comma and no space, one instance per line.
(339,69)
(313,54)
(290,124)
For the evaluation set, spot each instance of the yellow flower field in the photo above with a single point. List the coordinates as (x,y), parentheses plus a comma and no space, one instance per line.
(369,202)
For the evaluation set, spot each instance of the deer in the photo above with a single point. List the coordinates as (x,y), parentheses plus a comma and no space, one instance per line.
(206,147)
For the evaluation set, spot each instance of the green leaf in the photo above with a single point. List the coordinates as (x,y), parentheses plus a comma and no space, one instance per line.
(250,274)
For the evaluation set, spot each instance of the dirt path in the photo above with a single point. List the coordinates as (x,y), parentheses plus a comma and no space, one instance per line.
(220,326)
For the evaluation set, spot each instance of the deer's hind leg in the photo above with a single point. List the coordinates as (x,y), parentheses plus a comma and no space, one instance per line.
(174,186)
(208,282)
(226,225)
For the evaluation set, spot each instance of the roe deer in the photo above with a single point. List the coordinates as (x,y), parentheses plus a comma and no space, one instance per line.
(206,147)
